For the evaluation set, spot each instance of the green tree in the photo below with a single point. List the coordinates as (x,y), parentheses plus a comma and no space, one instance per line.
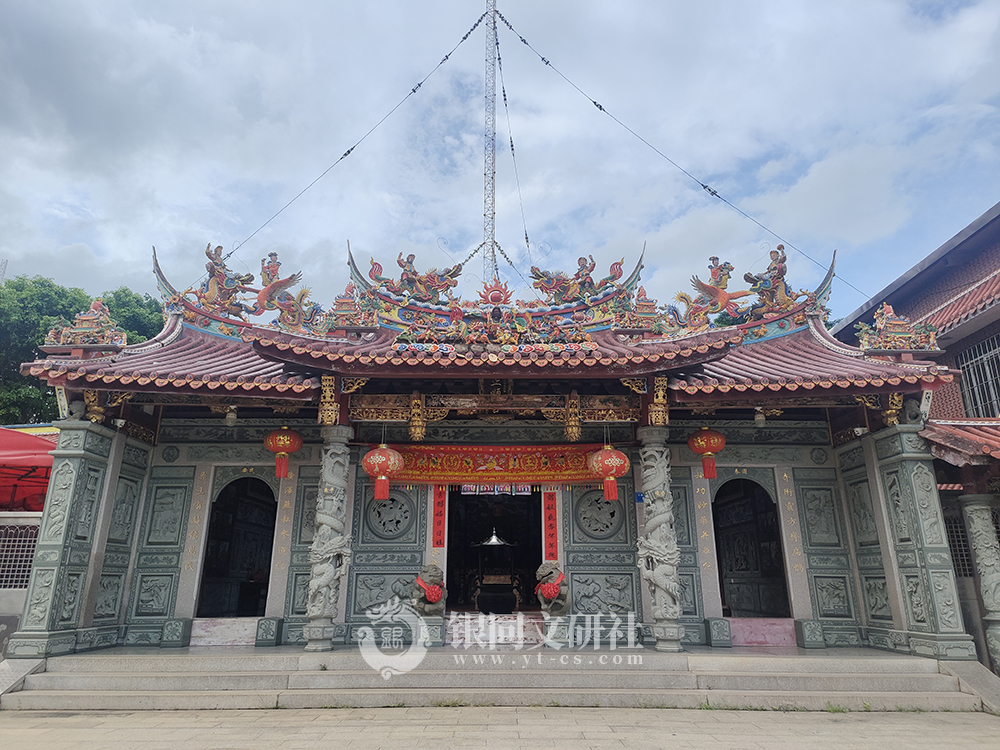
(29,307)
(139,315)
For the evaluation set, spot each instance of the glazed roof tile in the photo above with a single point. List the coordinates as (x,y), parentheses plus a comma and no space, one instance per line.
(606,352)
(807,358)
(966,305)
(964,441)
(181,359)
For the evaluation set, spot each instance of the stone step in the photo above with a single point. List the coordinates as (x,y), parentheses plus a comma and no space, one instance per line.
(240,699)
(182,660)
(500,679)
(831,661)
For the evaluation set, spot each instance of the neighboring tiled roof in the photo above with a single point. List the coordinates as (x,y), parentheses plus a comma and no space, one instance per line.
(606,356)
(181,359)
(969,303)
(807,358)
(963,441)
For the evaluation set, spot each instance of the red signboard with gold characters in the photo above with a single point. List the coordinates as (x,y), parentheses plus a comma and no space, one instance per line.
(485,464)
(440,511)
(551,526)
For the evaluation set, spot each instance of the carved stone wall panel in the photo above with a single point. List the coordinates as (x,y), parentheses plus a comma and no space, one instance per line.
(597,520)
(167,513)
(155,594)
(306,517)
(373,588)
(737,432)
(604,592)
(915,593)
(123,512)
(888,447)
(59,500)
(41,590)
(851,457)
(859,502)
(832,596)
(87,504)
(897,490)
(69,598)
(740,456)
(97,444)
(251,431)
(109,597)
(928,504)
(946,601)
(683,509)
(393,519)
(876,596)
(136,456)
(587,526)
(822,519)
(690,593)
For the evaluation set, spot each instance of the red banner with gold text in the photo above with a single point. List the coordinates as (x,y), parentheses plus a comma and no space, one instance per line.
(486,464)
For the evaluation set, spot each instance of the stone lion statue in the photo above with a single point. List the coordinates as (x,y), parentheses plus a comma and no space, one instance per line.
(429,593)
(552,589)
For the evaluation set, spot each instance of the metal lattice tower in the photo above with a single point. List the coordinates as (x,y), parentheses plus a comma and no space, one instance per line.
(490,269)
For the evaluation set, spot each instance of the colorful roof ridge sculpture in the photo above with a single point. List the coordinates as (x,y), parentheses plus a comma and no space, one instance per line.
(893,332)
(90,327)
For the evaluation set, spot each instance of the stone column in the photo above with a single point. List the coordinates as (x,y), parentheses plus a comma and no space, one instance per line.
(659,557)
(986,551)
(62,566)
(330,553)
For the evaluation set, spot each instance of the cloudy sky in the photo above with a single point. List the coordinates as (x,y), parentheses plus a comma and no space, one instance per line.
(869,127)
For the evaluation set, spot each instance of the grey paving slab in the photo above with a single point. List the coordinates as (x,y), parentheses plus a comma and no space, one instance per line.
(536,728)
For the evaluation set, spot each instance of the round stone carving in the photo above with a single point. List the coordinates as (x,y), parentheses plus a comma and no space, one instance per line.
(818,456)
(597,517)
(171,453)
(390,518)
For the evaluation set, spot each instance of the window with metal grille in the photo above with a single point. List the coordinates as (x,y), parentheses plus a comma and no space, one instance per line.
(959,543)
(17,549)
(980,366)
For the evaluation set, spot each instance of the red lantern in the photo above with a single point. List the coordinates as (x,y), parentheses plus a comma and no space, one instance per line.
(381,464)
(608,464)
(707,443)
(281,443)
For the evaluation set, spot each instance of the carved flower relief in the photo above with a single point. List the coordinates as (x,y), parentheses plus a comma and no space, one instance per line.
(926,495)
(984,542)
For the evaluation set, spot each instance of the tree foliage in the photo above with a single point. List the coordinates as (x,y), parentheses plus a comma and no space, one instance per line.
(29,308)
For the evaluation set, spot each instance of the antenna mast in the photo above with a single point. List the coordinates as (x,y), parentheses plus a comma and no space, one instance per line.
(490,269)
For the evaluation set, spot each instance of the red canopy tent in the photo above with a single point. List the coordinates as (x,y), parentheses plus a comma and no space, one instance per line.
(25,465)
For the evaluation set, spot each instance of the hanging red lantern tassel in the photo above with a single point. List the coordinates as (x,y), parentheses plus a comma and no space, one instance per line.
(609,464)
(707,443)
(282,443)
(381,464)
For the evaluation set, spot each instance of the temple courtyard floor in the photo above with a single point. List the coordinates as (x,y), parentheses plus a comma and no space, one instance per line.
(487,727)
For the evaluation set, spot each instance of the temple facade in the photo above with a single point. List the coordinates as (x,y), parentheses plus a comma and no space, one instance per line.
(778,489)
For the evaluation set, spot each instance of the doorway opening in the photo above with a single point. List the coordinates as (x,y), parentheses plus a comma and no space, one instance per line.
(751,561)
(238,551)
(497,578)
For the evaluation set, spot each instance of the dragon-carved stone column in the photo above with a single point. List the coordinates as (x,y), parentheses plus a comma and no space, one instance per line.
(659,557)
(330,553)
(986,550)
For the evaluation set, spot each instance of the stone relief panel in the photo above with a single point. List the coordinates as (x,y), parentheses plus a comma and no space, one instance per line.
(58,501)
(596,518)
(154,595)
(689,594)
(946,600)
(916,598)
(862,514)
(39,598)
(372,589)
(594,592)
(299,592)
(247,431)
(877,598)
(747,455)
(888,447)
(166,516)
(98,444)
(109,595)
(70,598)
(898,496)
(389,519)
(123,513)
(852,458)
(136,456)
(821,517)
(307,518)
(682,513)
(928,504)
(832,596)
(88,502)
(791,433)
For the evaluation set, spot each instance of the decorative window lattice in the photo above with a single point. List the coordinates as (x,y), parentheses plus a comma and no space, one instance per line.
(980,365)
(17,549)
(959,543)
(996,520)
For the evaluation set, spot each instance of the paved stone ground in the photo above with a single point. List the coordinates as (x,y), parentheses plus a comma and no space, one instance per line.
(447,728)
